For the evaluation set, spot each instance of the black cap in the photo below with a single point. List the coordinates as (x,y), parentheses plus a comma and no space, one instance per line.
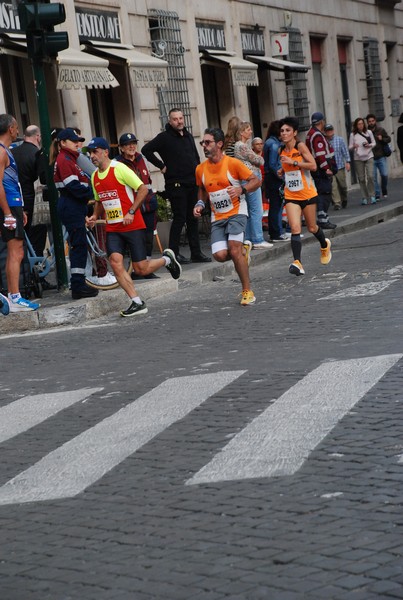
(329,127)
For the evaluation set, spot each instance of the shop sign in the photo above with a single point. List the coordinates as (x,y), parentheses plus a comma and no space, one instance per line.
(279,44)
(9,20)
(252,41)
(244,76)
(79,77)
(149,76)
(97,25)
(210,36)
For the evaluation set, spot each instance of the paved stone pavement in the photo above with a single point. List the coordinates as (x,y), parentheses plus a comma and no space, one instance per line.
(332,530)
(58,309)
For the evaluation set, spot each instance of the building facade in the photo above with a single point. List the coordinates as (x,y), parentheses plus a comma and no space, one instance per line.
(130,61)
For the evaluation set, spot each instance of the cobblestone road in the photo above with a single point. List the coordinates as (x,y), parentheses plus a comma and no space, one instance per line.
(330,531)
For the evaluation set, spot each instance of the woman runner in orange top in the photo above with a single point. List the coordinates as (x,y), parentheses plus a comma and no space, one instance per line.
(300,193)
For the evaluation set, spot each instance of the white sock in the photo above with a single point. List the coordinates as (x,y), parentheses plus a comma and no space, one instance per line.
(14,297)
(136,299)
(167,260)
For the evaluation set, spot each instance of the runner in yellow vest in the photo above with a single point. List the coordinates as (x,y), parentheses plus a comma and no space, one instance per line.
(113,184)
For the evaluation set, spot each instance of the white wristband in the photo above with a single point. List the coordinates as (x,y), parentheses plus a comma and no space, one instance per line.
(200,203)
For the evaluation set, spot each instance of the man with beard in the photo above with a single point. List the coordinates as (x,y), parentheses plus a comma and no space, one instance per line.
(114,186)
(177,149)
(223,181)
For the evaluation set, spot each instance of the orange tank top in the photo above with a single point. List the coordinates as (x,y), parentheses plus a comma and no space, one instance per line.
(299,184)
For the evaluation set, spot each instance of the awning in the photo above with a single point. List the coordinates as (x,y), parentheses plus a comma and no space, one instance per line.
(79,70)
(13,44)
(277,64)
(243,72)
(145,70)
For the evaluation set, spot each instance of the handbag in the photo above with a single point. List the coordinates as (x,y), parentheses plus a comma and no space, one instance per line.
(387,150)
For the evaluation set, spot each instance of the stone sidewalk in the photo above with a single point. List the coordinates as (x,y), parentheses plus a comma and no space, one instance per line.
(58,309)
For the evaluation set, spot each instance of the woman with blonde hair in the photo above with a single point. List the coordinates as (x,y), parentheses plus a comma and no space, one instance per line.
(244,152)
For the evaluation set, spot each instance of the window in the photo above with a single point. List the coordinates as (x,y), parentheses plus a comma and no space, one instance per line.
(297,92)
(373,78)
(166,41)
(316,54)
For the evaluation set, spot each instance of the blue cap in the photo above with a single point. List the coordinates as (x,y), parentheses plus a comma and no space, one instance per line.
(317,117)
(127,138)
(97,142)
(69,134)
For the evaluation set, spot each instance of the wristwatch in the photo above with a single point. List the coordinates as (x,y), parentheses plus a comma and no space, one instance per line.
(244,191)
(295,163)
(131,211)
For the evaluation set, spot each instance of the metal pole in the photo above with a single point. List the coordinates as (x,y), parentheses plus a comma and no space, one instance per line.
(58,241)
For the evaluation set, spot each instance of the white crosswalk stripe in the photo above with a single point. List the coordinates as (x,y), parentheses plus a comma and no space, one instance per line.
(279,440)
(276,443)
(361,289)
(29,411)
(78,463)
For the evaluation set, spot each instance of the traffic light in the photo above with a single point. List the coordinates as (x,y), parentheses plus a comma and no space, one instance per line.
(38,19)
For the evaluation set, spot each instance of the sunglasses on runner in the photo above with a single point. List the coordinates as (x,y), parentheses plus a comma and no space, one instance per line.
(206,142)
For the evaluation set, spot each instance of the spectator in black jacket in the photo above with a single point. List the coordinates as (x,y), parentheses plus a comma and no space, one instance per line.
(380,156)
(178,161)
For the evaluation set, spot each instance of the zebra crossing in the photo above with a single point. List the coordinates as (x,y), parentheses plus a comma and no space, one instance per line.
(277,442)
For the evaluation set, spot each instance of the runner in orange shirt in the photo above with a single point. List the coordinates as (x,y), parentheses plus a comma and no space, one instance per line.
(299,192)
(223,181)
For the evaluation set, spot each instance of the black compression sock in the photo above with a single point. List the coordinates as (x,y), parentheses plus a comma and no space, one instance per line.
(296,246)
(320,236)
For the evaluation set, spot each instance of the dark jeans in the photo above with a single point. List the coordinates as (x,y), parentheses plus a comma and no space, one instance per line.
(151,223)
(272,187)
(324,189)
(72,214)
(182,199)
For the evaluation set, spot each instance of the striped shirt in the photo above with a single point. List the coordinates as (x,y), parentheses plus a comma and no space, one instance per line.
(341,152)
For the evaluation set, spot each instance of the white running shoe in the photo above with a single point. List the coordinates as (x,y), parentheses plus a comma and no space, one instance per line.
(262,245)
(108,279)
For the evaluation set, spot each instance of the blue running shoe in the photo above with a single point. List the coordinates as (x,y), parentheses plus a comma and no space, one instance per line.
(23,305)
(4,305)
